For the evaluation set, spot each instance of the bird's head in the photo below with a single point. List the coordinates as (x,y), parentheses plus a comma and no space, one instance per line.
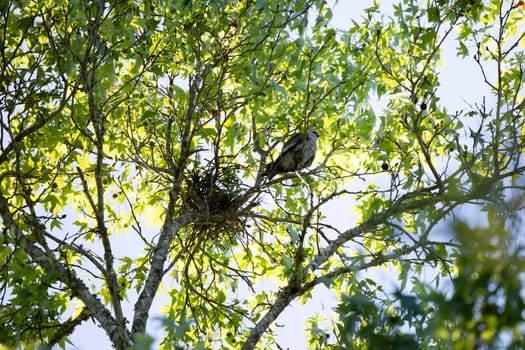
(314,132)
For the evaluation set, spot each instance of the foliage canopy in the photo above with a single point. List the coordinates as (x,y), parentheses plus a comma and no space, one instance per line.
(134,135)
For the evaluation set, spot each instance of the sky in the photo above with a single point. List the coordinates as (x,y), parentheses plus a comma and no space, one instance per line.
(460,81)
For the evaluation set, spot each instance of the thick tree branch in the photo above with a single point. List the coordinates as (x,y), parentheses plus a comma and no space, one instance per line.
(399,206)
(68,327)
(286,295)
(77,287)
(155,274)
(404,204)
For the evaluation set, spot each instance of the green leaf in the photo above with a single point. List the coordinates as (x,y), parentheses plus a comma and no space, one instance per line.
(433,14)
(287,262)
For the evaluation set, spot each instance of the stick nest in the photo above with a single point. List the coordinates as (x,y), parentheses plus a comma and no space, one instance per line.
(214,193)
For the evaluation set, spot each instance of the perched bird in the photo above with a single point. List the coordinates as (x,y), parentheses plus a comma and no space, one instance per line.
(297,153)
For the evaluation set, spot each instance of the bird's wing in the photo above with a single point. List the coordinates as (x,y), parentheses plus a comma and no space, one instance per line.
(309,150)
(308,159)
(295,140)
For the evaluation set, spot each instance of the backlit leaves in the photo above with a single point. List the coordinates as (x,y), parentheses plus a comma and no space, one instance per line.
(150,123)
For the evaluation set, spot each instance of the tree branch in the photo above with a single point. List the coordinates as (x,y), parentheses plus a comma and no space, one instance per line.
(143,304)
(77,287)
(292,290)
(68,327)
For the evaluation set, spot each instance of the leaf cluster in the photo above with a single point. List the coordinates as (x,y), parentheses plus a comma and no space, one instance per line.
(133,140)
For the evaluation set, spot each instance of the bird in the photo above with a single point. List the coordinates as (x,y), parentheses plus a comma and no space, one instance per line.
(297,153)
